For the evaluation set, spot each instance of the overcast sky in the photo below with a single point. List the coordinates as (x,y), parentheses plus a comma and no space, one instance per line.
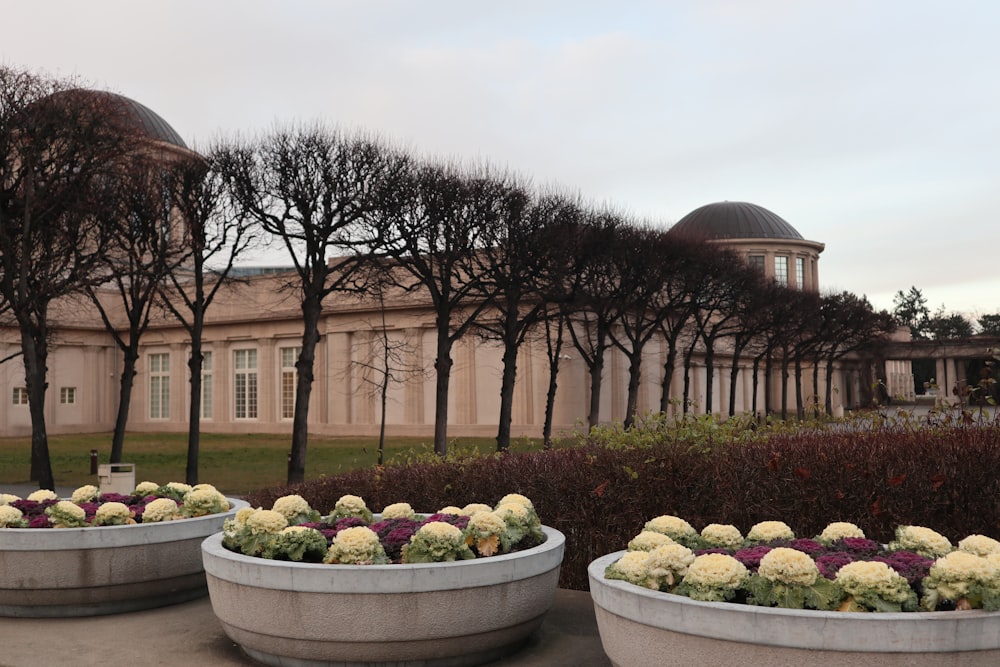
(872,127)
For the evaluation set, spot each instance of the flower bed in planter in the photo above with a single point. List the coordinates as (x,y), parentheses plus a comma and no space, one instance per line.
(93,569)
(662,601)
(350,611)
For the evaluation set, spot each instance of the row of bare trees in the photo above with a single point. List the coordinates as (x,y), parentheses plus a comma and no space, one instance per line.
(85,207)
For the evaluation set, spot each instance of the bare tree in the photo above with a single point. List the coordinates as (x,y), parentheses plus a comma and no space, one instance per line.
(653,267)
(312,188)
(752,306)
(60,153)
(215,236)
(385,363)
(849,324)
(140,253)
(431,239)
(596,297)
(518,260)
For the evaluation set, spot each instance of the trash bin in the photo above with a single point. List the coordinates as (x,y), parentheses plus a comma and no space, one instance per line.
(116,478)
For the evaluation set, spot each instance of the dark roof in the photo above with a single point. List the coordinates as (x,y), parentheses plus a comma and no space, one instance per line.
(150,122)
(153,123)
(734,220)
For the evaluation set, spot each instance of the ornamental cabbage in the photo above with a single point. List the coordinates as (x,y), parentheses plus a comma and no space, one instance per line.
(356,546)
(436,542)
(874,586)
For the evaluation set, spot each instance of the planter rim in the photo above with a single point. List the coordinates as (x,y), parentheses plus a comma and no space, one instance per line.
(919,632)
(394,578)
(104,537)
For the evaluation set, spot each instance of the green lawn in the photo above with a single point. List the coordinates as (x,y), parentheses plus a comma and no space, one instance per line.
(233,463)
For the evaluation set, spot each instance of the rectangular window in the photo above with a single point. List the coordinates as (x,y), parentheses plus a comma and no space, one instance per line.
(246,384)
(800,272)
(206,385)
(757,262)
(781,270)
(67,395)
(289,376)
(20,396)
(159,386)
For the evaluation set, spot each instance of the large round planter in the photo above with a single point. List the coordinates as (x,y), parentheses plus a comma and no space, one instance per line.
(643,627)
(441,614)
(104,569)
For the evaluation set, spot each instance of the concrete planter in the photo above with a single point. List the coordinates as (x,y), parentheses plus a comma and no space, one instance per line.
(435,614)
(642,627)
(104,569)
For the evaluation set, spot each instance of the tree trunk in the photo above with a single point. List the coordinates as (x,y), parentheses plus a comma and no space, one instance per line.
(800,406)
(596,376)
(312,307)
(734,374)
(634,377)
(124,400)
(195,362)
(753,384)
(507,381)
(686,399)
(35,349)
(768,381)
(709,375)
(828,403)
(815,387)
(784,384)
(442,367)
(554,350)
(668,375)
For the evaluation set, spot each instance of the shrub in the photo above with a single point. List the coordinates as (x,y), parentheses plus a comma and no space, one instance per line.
(600,495)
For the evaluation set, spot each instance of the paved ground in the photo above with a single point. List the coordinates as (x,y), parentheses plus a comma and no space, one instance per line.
(189,635)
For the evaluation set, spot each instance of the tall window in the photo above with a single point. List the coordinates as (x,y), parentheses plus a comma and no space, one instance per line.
(246,384)
(289,376)
(800,272)
(67,395)
(20,396)
(206,385)
(159,386)
(781,270)
(757,262)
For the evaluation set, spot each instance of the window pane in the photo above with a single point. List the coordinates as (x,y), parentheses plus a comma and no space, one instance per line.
(206,385)
(159,386)
(781,270)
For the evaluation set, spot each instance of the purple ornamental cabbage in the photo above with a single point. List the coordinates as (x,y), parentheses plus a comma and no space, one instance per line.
(831,562)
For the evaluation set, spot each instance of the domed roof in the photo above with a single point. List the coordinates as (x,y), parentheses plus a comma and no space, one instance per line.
(148,121)
(734,220)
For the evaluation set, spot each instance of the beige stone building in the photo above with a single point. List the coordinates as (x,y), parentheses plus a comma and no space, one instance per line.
(252,339)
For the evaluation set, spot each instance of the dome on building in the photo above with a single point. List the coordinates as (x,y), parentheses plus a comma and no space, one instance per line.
(734,220)
(150,122)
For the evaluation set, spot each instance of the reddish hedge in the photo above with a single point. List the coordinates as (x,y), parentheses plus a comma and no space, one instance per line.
(942,478)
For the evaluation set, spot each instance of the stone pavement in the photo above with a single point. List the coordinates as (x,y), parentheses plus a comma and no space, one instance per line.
(189,635)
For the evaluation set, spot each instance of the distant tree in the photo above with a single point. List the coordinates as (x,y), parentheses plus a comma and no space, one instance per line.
(596,297)
(681,300)
(215,235)
(849,324)
(989,324)
(560,234)
(752,313)
(516,261)
(383,362)
(910,310)
(429,239)
(942,325)
(141,251)
(728,279)
(60,154)
(312,188)
(653,268)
